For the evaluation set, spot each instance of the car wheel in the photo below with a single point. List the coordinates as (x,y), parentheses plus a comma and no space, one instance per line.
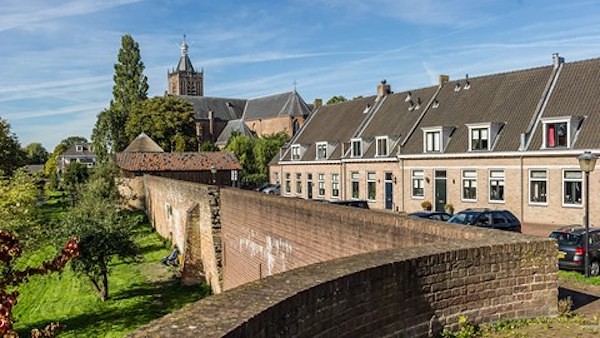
(594,268)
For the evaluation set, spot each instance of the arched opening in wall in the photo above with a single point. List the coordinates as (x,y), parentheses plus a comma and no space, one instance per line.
(295,126)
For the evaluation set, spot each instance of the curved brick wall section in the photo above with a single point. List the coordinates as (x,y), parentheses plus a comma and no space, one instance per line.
(408,292)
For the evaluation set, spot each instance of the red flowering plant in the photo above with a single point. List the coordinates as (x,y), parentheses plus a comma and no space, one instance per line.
(10,250)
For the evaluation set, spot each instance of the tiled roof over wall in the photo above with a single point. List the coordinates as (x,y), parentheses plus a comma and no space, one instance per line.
(177,161)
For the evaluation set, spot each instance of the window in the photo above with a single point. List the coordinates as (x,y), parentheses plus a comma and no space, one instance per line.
(335,185)
(418,178)
(480,139)
(557,134)
(321,151)
(277,177)
(496,185)
(538,182)
(371,187)
(355,178)
(295,152)
(432,141)
(288,184)
(321,183)
(79,148)
(469,183)
(298,183)
(572,186)
(356,148)
(382,146)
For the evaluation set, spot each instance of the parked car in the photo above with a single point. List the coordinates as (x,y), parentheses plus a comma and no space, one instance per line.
(263,187)
(353,203)
(488,218)
(571,248)
(434,215)
(273,189)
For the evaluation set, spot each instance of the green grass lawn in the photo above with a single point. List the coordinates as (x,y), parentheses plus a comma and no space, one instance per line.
(580,277)
(139,292)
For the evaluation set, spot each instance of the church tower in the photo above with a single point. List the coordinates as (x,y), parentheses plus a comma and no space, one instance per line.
(184,80)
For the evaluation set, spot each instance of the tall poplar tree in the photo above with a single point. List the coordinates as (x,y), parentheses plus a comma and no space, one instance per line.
(11,155)
(130,87)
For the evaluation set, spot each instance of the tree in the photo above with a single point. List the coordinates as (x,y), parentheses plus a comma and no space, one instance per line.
(267,147)
(74,176)
(36,153)
(18,196)
(130,87)
(336,99)
(168,120)
(11,155)
(208,146)
(104,231)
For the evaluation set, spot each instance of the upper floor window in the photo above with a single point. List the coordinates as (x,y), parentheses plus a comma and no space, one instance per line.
(356,148)
(559,132)
(295,152)
(79,148)
(432,141)
(382,146)
(479,139)
(321,150)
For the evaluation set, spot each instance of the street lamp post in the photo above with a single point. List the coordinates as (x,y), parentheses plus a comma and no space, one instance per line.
(213,171)
(587,163)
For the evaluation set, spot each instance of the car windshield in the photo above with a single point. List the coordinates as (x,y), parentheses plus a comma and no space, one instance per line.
(565,238)
(463,218)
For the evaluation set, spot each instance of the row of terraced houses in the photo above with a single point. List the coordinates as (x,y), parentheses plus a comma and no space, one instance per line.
(501,141)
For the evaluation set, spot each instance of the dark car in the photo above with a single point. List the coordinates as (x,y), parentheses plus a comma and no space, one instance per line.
(353,203)
(436,216)
(571,248)
(487,218)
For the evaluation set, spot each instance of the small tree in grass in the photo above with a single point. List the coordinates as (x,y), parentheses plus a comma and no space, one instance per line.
(104,231)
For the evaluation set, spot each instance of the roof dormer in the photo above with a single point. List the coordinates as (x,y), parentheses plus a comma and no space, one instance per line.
(482,136)
(435,139)
(323,150)
(356,148)
(297,152)
(559,132)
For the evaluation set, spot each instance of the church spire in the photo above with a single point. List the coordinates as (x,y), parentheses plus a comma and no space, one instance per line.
(184,47)
(184,80)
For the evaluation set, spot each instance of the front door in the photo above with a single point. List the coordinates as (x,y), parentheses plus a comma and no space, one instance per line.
(440,190)
(389,191)
(309,186)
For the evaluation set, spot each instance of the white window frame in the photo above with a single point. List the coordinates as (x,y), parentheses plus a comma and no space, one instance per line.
(500,179)
(298,183)
(417,176)
(335,185)
(318,146)
(546,123)
(378,148)
(531,180)
(357,147)
(295,155)
(79,148)
(355,179)
(466,177)
(371,178)
(433,132)
(565,180)
(479,130)
(287,183)
(320,185)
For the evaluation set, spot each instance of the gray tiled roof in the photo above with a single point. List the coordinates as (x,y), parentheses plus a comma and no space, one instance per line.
(396,116)
(231,127)
(335,124)
(223,108)
(85,152)
(576,93)
(143,144)
(510,99)
(285,104)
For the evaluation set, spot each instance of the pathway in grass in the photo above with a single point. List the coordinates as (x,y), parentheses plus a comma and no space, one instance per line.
(139,293)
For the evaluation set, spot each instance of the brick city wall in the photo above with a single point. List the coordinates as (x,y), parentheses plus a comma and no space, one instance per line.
(426,276)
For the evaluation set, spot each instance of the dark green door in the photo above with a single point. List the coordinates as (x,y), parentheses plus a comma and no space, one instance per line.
(440,190)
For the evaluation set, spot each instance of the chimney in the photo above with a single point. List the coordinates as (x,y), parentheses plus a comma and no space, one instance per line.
(523,141)
(211,124)
(317,103)
(557,60)
(444,79)
(383,89)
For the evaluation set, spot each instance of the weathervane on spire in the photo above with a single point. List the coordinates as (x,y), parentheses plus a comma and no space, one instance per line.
(184,47)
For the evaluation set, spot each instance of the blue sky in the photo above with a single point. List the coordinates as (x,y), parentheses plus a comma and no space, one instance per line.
(57,56)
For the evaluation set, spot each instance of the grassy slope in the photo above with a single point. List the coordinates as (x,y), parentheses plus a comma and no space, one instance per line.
(140,292)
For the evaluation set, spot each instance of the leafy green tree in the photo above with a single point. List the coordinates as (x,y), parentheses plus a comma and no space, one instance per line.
(105,232)
(168,120)
(18,196)
(336,99)
(51,163)
(243,148)
(36,153)
(74,176)
(11,155)
(130,88)
(208,146)
(267,147)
